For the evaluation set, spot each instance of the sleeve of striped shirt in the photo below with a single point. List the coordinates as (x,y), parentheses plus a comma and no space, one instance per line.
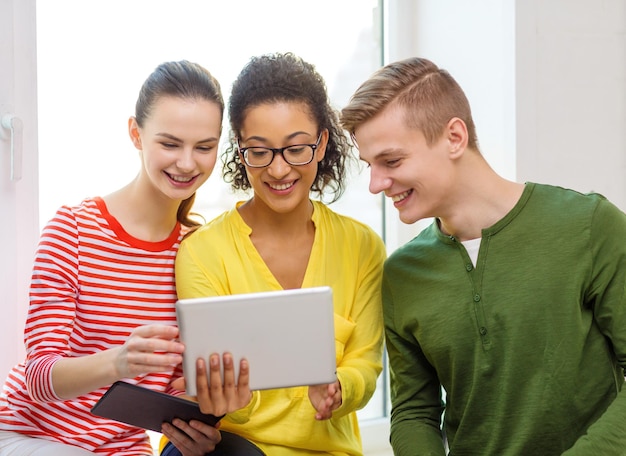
(53,294)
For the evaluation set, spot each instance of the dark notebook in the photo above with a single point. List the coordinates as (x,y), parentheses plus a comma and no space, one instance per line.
(145,408)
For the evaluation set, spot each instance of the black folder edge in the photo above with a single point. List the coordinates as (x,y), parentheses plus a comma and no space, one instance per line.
(147,409)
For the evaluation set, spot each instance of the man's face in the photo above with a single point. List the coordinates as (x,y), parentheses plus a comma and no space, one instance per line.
(412,173)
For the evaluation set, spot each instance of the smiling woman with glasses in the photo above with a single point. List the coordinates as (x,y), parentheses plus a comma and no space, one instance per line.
(286,144)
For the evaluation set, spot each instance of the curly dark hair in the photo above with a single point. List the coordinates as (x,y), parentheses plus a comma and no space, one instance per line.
(278,77)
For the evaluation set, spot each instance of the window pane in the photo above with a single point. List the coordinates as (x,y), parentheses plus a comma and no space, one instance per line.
(93,57)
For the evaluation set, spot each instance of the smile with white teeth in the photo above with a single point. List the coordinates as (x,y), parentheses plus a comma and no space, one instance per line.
(181,179)
(281,186)
(401,196)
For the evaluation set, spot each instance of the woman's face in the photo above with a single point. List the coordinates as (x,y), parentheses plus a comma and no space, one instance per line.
(178,145)
(280,186)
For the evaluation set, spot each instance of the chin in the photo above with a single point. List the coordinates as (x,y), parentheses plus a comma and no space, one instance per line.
(409,219)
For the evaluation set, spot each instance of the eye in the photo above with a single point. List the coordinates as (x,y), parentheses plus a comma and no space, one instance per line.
(297,149)
(205,149)
(168,145)
(258,152)
(392,163)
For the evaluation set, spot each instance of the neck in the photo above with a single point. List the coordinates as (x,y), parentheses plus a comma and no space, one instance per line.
(143,214)
(262,218)
(480,204)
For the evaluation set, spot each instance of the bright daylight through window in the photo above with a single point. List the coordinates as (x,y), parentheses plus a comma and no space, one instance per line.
(93,56)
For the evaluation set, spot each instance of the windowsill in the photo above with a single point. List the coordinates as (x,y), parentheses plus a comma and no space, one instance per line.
(375,436)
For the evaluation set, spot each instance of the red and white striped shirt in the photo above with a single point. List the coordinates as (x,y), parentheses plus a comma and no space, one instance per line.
(92,284)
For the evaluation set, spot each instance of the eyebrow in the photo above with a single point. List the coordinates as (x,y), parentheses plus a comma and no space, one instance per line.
(386,153)
(174,138)
(263,139)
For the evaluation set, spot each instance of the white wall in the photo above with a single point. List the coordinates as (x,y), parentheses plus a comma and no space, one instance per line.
(19,227)
(571,94)
(546,80)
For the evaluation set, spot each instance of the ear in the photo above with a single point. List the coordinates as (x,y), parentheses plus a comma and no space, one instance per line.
(456,134)
(133,132)
(320,152)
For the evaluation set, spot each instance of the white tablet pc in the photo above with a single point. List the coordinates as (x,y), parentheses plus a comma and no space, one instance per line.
(287,336)
(145,408)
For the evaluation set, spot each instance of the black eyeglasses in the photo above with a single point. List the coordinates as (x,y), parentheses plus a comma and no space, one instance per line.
(295,155)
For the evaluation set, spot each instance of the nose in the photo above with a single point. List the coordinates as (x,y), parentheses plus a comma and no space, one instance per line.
(185,161)
(279,168)
(378,181)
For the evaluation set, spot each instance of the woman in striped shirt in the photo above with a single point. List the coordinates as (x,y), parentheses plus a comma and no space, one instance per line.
(102,292)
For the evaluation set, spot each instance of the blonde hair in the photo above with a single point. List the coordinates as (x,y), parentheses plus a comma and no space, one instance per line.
(428,95)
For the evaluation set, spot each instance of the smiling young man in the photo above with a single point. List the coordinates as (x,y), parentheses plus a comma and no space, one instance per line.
(512,301)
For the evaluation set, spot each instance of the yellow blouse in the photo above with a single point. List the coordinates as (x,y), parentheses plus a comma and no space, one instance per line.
(220,259)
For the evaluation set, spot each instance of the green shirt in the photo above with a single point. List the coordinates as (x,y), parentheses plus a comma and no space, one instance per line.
(529,345)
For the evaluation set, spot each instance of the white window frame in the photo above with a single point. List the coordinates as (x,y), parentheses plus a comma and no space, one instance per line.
(18,196)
